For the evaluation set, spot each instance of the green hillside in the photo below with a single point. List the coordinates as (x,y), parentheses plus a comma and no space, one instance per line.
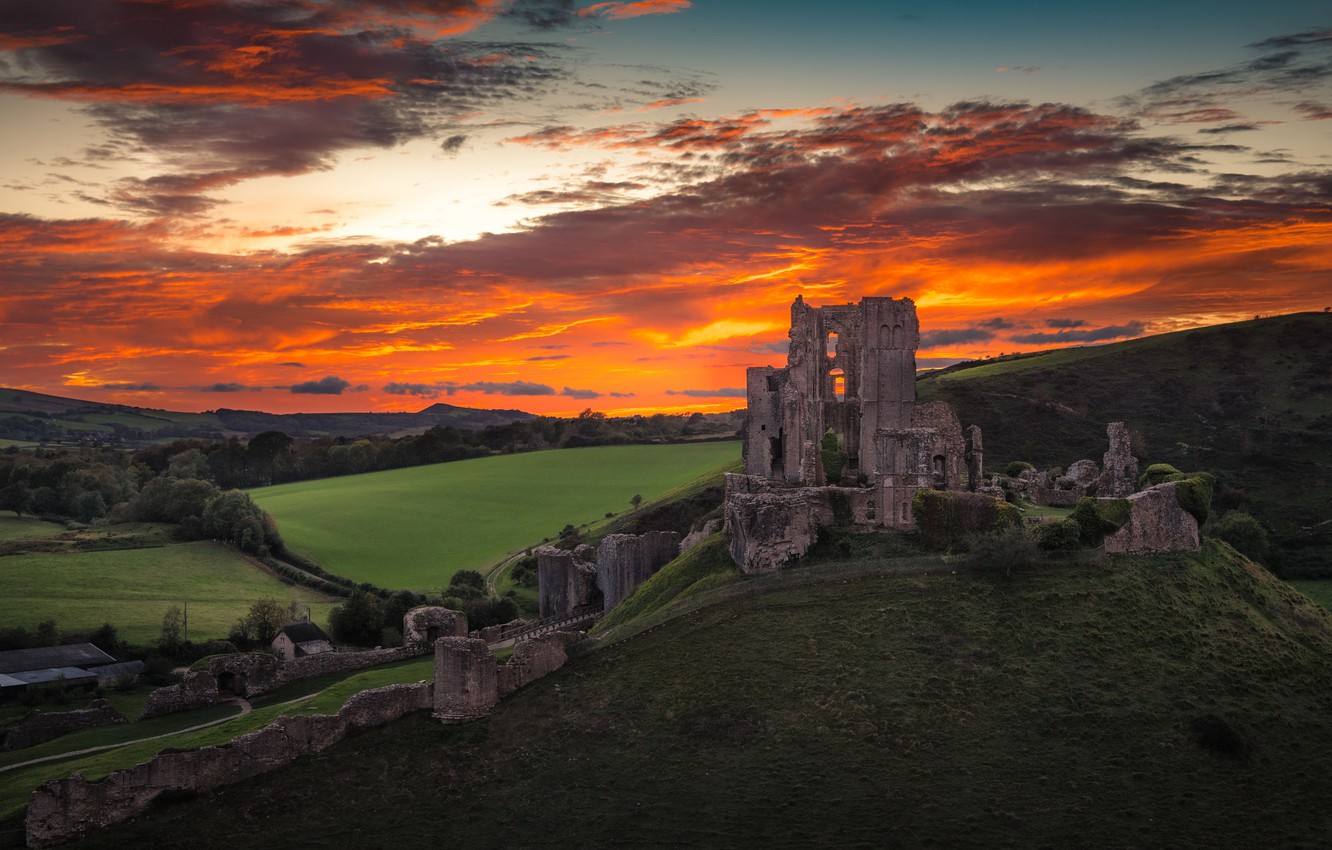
(1250,402)
(129,579)
(1174,701)
(414,528)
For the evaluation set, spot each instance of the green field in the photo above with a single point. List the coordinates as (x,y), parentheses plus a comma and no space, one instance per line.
(414,528)
(15,528)
(132,588)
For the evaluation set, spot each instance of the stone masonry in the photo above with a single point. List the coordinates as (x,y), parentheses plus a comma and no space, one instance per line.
(1156,524)
(426,624)
(1119,477)
(40,727)
(565,579)
(624,561)
(466,680)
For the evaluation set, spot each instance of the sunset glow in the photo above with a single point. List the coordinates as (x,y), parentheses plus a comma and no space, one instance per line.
(306,205)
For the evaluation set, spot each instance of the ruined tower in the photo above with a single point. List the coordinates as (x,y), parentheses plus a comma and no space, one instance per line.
(851,370)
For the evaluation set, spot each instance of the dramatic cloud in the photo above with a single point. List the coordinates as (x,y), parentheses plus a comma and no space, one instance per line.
(954,336)
(584,394)
(617,10)
(134,388)
(1065,323)
(1126,331)
(724,392)
(223,388)
(510,388)
(329,385)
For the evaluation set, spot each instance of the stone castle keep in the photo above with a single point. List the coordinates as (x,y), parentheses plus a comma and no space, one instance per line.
(851,370)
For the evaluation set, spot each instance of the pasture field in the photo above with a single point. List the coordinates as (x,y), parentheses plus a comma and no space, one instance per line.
(132,588)
(15,528)
(414,528)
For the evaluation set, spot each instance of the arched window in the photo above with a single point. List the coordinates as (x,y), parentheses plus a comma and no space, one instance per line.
(839,384)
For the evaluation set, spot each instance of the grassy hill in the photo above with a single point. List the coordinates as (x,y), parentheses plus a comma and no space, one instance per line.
(414,528)
(28,418)
(1172,701)
(1250,402)
(129,575)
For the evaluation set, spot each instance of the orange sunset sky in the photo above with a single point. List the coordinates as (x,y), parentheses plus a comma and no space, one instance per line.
(316,205)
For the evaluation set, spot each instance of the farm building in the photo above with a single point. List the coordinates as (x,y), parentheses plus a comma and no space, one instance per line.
(46,668)
(298,639)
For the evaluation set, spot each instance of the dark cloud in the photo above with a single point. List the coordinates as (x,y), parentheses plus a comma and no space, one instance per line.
(261,89)
(328,385)
(1231,128)
(548,357)
(724,392)
(422,390)
(147,387)
(1125,331)
(544,14)
(1313,111)
(621,395)
(223,388)
(508,388)
(573,393)
(998,323)
(955,336)
(453,143)
(1066,324)
(293,364)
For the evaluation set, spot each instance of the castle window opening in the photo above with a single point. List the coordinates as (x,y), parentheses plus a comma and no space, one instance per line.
(831,344)
(839,384)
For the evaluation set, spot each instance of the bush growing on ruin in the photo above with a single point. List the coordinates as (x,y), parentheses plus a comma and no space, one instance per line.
(1098,517)
(946,519)
(1193,492)
(833,456)
(1016,468)
(1156,474)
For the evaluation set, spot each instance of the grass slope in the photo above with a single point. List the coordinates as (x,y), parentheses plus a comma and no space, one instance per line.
(414,528)
(1055,709)
(1250,401)
(132,588)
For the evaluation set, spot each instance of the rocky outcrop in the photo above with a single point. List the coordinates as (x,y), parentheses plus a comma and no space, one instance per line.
(1156,523)
(624,561)
(565,579)
(40,727)
(65,809)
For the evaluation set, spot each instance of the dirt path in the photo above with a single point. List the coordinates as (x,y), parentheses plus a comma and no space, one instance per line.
(245,709)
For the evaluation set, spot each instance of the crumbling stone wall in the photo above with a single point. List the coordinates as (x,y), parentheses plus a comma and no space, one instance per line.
(565,579)
(535,658)
(466,680)
(495,634)
(252,674)
(66,809)
(772,526)
(426,624)
(43,726)
(694,538)
(624,561)
(1156,523)
(1120,476)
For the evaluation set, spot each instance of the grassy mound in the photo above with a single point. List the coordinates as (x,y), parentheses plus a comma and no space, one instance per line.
(1175,701)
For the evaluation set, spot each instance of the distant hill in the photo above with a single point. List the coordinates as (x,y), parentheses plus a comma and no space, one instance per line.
(1250,402)
(36,417)
(1174,701)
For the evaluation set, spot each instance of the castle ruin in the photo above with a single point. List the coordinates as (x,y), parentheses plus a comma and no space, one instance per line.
(851,371)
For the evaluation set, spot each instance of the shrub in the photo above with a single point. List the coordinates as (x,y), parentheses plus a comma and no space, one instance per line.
(1155,474)
(1062,536)
(1243,532)
(1098,517)
(1194,493)
(1005,550)
(946,518)
(1016,468)
(833,456)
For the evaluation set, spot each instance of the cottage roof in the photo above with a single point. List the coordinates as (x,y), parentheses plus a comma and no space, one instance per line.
(303,632)
(47,657)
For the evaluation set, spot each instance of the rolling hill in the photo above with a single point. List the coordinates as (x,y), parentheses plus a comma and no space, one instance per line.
(1167,701)
(1250,402)
(28,417)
